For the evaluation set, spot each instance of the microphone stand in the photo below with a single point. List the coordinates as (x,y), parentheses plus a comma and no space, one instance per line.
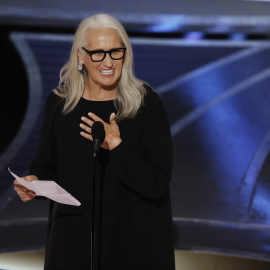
(93,236)
(94,253)
(98,134)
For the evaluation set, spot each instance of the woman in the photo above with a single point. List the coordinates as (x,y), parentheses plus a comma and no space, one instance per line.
(133,168)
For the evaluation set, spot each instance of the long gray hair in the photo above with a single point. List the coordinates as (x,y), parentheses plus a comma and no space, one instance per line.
(131,91)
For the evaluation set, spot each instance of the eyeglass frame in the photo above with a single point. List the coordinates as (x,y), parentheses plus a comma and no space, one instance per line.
(105,54)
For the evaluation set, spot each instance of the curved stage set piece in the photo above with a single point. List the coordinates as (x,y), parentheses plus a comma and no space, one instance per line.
(217,98)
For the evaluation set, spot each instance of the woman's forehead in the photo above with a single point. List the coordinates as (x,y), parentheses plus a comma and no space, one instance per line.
(102,36)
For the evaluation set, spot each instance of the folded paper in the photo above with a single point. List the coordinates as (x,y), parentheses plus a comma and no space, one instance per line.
(48,189)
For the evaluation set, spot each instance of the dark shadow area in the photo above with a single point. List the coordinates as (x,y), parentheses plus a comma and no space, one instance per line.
(14,90)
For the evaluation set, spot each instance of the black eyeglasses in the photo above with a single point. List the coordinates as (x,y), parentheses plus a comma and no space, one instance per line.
(99,55)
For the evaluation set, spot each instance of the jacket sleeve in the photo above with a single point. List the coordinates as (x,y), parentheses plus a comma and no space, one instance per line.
(147,171)
(44,163)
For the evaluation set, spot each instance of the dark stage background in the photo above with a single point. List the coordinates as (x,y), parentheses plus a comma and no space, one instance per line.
(210,63)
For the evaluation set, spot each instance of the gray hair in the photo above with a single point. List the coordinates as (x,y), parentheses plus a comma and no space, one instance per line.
(131,91)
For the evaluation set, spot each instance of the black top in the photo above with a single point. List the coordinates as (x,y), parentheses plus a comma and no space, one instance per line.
(132,186)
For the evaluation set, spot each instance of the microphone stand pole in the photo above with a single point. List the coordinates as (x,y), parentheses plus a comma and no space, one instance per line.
(94,238)
(98,134)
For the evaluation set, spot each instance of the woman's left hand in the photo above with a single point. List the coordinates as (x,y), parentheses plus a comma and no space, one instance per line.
(112,133)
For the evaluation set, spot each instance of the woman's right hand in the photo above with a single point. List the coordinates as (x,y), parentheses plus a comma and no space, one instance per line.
(24,193)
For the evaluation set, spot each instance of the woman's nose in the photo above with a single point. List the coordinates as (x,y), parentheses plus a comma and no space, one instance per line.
(108,61)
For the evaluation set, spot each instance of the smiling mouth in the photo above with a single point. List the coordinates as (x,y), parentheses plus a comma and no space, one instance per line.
(107,72)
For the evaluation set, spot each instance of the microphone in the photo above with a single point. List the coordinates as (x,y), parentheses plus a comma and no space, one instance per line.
(98,134)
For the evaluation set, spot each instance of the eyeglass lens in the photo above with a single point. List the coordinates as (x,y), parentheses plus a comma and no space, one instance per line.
(115,54)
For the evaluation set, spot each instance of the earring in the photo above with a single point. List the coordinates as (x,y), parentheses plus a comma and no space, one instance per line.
(80,66)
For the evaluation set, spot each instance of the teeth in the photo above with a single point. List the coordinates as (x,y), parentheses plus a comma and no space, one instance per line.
(106,72)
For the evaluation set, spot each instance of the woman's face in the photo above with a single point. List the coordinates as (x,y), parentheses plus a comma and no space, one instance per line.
(104,74)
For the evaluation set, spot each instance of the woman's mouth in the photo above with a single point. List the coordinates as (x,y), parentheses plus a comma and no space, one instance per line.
(107,72)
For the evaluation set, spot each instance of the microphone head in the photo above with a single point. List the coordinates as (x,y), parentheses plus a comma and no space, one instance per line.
(98,132)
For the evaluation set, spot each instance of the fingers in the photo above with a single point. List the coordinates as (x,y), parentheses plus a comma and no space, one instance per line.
(87,121)
(86,128)
(90,122)
(19,187)
(95,117)
(30,178)
(25,197)
(87,125)
(87,136)
(112,132)
(112,118)
(24,193)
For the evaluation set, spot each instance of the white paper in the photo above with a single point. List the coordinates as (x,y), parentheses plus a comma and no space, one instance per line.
(48,189)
